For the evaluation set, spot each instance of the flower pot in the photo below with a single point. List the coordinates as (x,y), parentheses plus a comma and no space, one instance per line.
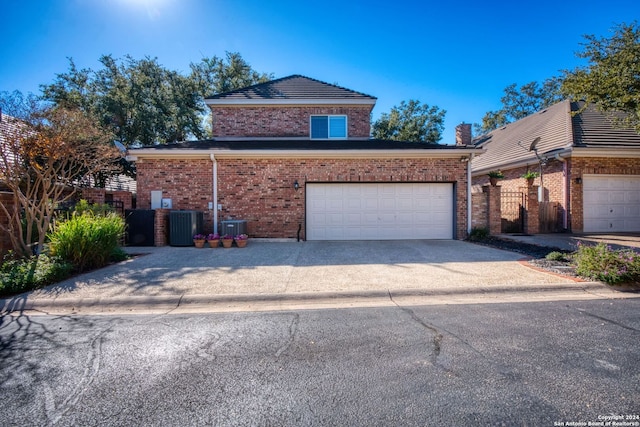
(214,243)
(241,243)
(530,181)
(493,181)
(199,243)
(227,243)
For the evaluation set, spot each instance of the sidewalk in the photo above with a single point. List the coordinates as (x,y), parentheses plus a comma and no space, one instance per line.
(286,275)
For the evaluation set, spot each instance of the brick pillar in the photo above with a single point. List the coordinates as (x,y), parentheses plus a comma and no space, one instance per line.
(161,227)
(532,224)
(493,210)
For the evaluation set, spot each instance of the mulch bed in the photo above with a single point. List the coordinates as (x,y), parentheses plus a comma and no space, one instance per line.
(537,259)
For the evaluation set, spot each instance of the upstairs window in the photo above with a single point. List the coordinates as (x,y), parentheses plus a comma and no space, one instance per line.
(328,127)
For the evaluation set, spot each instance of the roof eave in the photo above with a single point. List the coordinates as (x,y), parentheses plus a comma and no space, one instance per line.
(463,153)
(624,152)
(301,101)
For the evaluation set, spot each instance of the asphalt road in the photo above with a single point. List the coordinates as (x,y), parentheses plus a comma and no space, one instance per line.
(512,364)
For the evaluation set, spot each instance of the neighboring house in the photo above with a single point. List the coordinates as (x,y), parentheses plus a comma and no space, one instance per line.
(590,168)
(9,128)
(293,157)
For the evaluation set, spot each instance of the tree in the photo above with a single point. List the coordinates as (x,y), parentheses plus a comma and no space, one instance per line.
(611,81)
(18,105)
(43,158)
(518,103)
(411,121)
(216,75)
(144,103)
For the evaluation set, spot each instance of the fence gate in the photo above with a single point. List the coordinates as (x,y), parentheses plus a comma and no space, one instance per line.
(512,211)
(550,217)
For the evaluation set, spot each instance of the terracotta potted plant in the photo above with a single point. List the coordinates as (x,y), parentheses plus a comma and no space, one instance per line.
(198,240)
(227,240)
(213,239)
(530,176)
(494,176)
(241,240)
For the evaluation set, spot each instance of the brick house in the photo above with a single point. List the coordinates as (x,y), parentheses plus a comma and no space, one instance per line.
(589,168)
(294,158)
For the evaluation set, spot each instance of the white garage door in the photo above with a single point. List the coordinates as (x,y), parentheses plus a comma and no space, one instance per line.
(611,203)
(372,211)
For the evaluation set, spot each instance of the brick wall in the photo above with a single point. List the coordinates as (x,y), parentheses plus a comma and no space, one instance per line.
(551,175)
(284,121)
(187,182)
(99,196)
(593,166)
(261,191)
(93,195)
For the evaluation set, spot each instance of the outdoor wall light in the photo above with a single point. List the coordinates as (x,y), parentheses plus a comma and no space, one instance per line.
(296,185)
(578,180)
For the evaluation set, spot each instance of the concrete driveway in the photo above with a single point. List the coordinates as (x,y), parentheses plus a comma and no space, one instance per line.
(274,271)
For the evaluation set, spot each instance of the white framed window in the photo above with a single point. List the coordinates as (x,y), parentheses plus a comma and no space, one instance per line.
(328,127)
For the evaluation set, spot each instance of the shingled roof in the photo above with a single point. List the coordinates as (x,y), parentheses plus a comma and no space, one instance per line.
(558,129)
(292,88)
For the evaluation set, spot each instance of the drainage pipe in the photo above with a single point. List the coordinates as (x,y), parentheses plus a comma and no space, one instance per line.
(214,173)
(469,198)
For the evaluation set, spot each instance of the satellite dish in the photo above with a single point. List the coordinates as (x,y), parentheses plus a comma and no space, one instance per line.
(534,143)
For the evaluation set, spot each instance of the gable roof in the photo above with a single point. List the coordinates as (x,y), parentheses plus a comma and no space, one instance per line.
(291,89)
(558,130)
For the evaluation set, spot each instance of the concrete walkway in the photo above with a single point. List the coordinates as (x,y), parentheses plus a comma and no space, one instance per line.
(282,274)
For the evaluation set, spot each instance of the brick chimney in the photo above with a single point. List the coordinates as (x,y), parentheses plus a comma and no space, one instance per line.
(463,134)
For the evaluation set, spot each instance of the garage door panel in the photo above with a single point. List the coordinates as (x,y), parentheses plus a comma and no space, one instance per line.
(611,203)
(370,211)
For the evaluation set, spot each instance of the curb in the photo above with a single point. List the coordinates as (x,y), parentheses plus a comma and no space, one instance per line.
(172,302)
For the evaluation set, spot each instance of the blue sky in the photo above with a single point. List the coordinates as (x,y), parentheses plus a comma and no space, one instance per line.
(457,55)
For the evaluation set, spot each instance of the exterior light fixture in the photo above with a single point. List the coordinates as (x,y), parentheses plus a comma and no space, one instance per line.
(296,185)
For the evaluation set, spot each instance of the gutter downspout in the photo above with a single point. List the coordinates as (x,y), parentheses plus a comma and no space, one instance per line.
(469,198)
(215,192)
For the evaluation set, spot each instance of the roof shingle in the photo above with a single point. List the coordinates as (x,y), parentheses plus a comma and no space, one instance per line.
(295,87)
(557,129)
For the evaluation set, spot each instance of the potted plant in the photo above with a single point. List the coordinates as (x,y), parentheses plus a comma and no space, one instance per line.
(213,239)
(241,240)
(198,240)
(530,176)
(494,176)
(227,240)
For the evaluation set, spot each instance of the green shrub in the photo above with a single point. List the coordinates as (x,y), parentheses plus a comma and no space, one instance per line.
(602,263)
(21,275)
(556,256)
(478,234)
(83,207)
(87,240)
